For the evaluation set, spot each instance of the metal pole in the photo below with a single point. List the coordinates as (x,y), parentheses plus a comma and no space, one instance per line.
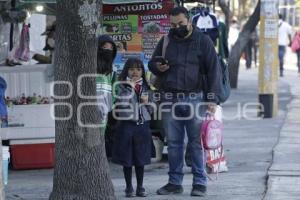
(268,58)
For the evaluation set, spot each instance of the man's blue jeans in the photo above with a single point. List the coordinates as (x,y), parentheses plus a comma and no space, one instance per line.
(175,132)
(281,53)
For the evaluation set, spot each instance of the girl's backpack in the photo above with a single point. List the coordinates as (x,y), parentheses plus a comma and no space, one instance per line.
(212,134)
(212,139)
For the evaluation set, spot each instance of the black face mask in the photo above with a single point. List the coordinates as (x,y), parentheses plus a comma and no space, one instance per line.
(104,61)
(180,32)
(106,54)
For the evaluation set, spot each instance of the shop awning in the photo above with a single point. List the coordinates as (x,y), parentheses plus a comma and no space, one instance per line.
(104,1)
(126,1)
(38,1)
(50,5)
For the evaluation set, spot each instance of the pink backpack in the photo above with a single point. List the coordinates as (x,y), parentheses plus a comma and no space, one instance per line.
(296,42)
(212,134)
(212,139)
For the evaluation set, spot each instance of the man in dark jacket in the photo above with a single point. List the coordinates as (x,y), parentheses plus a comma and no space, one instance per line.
(189,55)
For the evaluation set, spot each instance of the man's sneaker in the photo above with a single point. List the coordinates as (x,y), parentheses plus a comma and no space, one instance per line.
(170,189)
(129,192)
(141,192)
(198,190)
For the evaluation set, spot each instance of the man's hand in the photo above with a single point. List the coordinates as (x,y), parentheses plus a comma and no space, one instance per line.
(162,68)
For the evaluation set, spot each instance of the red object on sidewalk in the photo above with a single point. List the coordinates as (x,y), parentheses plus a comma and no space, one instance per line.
(32,156)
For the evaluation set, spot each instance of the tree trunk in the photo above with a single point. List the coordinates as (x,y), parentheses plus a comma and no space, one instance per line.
(81,169)
(2,193)
(238,47)
(226,10)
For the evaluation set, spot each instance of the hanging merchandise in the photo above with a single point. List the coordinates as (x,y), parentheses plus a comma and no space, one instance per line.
(4,38)
(11,60)
(3,108)
(206,21)
(23,52)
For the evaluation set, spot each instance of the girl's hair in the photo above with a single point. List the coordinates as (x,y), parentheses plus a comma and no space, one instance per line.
(132,63)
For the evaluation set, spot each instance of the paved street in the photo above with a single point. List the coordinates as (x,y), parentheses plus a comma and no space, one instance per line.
(249,149)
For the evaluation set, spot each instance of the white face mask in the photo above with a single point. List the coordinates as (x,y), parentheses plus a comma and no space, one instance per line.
(51,42)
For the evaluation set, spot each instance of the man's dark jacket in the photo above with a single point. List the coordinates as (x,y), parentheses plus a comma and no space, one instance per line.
(190,60)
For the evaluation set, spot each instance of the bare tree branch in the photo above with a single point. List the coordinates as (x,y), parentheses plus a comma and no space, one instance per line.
(226,10)
(238,48)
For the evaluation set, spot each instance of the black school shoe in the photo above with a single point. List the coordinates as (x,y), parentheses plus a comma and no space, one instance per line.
(198,190)
(129,192)
(170,189)
(141,192)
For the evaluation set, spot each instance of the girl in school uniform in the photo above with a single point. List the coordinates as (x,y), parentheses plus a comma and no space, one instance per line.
(133,138)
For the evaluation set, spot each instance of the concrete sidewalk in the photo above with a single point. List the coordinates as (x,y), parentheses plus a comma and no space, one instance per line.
(284,174)
(248,148)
